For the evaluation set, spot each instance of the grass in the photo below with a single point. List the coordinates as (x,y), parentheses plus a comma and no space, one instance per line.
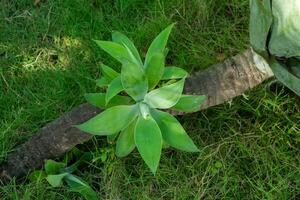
(250,148)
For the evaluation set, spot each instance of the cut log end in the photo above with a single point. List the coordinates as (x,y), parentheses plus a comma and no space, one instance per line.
(220,83)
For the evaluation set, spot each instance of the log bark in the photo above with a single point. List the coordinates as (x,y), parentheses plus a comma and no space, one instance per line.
(220,83)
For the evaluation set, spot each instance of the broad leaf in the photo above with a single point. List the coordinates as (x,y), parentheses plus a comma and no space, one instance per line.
(155,69)
(283,75)
(166,96)
(260,24)
(189,103)
(148,140)
(102,82)
(172,131)
(116,50)
(110,121)
(285,37)
(98,100)
(109,72)
(159,43)
(134,80)
(174,73)
(114,88)
(125,142)
(124,40)
(56,180)
(76,184)
(53,167)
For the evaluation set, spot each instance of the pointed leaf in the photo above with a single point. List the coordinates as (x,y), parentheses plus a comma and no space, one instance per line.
(174,73)
(103,82)
(172,131)
(148,140)
(124,40)
(98,100)
(189,103)
(125,142)
(114,88)
(116,50)
(283,75)
(155,69)
(110,121)
(108,72)
(56,180)
(134,80)
(53,167)
(166,96)
(159,43)
(76,184)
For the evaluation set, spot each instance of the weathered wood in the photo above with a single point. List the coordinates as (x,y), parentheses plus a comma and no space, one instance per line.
(219,83)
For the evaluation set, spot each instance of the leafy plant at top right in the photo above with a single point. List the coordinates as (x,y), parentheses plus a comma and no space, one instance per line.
(135,117)
(275,35)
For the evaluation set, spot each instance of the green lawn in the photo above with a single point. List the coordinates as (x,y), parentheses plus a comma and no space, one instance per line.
(250,148)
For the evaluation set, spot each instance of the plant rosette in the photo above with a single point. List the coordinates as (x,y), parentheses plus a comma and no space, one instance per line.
(136,118)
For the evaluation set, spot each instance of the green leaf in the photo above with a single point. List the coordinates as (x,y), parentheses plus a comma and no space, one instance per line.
(134,80)
(114,88)
(125,143)
(166,96)
(260,24)
(172,132)
(116,50)
(53,167)
(109,73)
(294,65)
(110,121)
(98,100)
(174,73)
(285,37)
(56,180)
(189,103)
(76,184)
(148,140)
(159,43)
(155,69)
(283,75)
(124,40)
(103,82)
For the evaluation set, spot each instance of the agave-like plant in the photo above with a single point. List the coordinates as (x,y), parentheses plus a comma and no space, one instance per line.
(275,34)
(135,117)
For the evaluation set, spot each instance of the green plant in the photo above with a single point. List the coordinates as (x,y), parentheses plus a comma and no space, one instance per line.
(135,118)
(56,173)
(275,34)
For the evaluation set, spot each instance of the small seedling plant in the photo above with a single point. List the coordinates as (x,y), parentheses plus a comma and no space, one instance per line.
(136,118)
(58,174)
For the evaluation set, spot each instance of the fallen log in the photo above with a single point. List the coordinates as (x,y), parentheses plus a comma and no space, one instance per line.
(220,83)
